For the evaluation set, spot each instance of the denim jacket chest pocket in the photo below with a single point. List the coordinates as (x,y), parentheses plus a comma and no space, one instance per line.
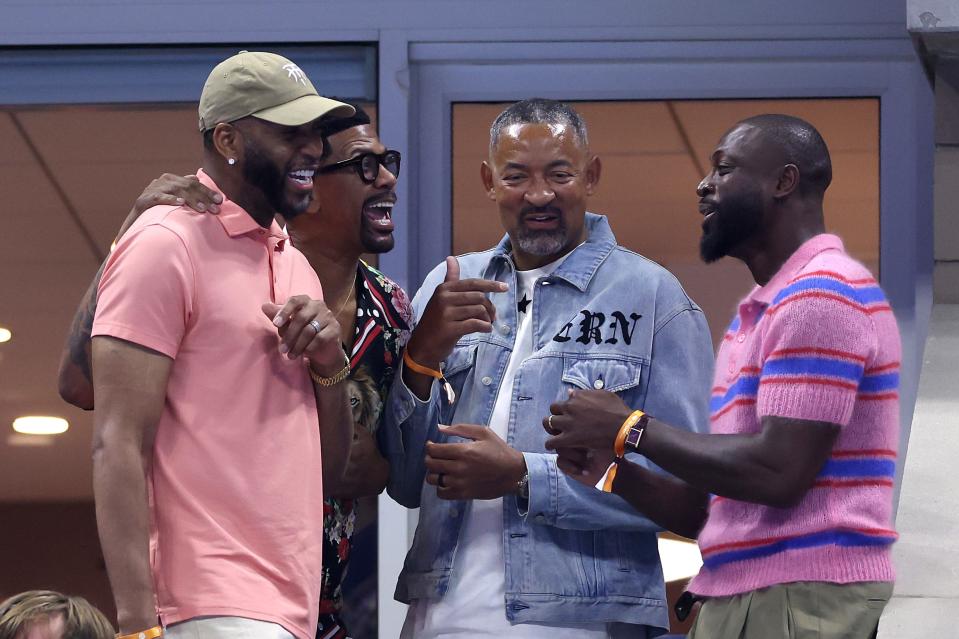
(621,375)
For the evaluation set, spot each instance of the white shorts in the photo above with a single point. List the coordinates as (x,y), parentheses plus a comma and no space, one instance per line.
(225,628)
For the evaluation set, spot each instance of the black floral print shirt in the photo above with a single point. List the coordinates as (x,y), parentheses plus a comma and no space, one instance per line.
(383,318)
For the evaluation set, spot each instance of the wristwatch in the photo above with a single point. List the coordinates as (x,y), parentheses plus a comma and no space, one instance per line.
(522,487)
(635,434)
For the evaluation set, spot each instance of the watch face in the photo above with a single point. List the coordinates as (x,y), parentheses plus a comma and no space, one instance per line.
(633,436)
(524,487)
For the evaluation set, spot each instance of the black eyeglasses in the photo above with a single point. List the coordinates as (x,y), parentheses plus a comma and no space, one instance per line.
(368,164)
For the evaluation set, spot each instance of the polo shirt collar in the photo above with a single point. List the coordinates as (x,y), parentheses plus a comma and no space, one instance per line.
(809,249)
(235,220)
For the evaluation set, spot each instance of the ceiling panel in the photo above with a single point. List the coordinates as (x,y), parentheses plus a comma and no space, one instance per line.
(15,150)
(119,135)
(104,193)
(34,216)
(846,125)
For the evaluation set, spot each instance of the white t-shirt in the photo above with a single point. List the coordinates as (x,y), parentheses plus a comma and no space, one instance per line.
(475,604)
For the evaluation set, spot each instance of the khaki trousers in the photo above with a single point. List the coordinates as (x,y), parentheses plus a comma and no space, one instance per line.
(802,610)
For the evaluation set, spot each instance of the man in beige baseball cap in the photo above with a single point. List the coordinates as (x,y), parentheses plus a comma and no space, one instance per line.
(218,366)
(260,115)
(266,86)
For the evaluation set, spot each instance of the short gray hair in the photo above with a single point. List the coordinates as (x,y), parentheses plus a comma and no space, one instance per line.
(538,111)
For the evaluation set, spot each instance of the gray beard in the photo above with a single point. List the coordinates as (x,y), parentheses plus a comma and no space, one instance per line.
(542,243)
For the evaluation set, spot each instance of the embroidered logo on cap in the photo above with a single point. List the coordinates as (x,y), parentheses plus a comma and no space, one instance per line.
(295,73)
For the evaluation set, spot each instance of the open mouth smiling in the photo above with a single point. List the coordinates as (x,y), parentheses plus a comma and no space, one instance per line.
(302,179)
(380,213)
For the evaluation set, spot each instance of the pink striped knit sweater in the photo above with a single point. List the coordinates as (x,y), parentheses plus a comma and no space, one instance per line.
(818,342)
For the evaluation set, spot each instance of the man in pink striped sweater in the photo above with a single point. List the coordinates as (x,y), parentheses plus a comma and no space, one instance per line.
(791,493)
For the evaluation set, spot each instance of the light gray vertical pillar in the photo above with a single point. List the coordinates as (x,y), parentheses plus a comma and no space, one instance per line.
(946,211)
(926,599)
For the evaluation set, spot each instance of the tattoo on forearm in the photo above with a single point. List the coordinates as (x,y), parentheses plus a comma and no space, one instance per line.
(79,340)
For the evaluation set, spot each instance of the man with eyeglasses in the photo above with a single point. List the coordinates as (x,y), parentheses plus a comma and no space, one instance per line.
(351,214)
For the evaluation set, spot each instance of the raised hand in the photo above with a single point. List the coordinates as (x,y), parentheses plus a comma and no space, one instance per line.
(588,419)
(174,190)
(484,468)
(457,308)
(307,328)
(585,466)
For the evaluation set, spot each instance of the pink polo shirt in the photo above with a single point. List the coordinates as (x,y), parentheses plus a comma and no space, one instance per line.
(235,487)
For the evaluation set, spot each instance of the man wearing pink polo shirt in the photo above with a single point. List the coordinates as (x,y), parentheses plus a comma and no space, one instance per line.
(214,361)
(791,493)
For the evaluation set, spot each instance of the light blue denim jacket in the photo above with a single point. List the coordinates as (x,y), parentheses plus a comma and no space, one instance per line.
(606,318)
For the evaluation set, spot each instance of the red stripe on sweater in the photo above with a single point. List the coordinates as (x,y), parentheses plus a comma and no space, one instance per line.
(742,401)
(866,397)
(830,296)
(835,275)
(852,483)
(865,452)
(786,352)
(885,367)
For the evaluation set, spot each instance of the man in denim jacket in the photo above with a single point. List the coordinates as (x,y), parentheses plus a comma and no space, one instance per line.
(507,545)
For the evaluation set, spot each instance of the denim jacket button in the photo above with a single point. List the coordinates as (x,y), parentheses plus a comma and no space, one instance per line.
(598,384)
(540,519)
(505,329)
(487,380)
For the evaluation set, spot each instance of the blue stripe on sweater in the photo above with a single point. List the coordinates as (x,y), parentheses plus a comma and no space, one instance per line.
(858,468)
(826,538)
(864,295)
(744,387)
(879,383)
(805,365)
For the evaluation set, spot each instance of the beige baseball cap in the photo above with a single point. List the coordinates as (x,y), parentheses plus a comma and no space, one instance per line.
(266,86)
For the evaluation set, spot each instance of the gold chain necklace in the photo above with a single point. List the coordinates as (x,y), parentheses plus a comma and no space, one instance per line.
(346,301)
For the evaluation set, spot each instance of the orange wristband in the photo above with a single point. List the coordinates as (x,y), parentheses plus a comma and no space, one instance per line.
(610,476)
(619,446)
(426,370)
(419,368)
(152,633)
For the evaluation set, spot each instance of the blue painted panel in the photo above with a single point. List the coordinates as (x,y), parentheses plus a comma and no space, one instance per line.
(45,22)
(77,76)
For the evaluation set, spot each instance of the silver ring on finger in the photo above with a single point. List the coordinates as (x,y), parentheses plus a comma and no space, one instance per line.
(316,325)
(549,421)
